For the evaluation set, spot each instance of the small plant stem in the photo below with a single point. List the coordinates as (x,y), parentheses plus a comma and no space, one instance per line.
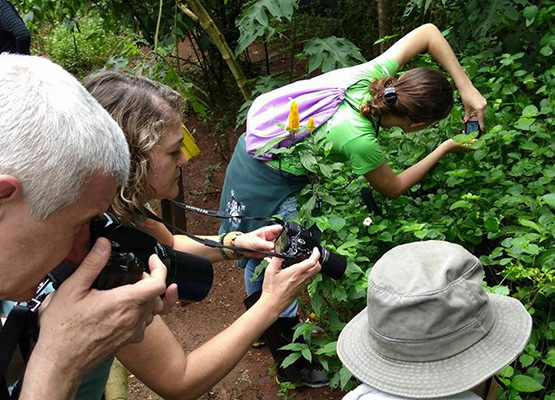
(532,301)
(266,55)
(293,46)
(158,25)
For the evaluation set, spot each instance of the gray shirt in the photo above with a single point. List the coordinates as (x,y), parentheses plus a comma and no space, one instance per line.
(365,392)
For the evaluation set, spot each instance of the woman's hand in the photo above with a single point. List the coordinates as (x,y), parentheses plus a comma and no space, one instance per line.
(450,146)
(261,239)
(282,285)
(474,104)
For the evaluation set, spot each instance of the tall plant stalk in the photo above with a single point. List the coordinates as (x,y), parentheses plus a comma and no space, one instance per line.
(196,11)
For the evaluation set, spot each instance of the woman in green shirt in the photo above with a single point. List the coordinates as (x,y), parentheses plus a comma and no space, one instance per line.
(374,98)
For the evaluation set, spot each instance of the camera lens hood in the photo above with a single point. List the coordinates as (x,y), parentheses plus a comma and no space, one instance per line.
(333,265)
(193,275)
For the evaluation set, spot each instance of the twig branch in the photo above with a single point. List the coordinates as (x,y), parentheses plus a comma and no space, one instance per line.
(187,11)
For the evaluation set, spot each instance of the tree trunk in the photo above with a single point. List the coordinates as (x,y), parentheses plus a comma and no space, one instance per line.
(384,28)
(199,14)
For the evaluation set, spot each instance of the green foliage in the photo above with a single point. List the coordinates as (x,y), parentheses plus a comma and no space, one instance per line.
(155,65)
(331,53)
(86,46)
(498,202)
(261,85)
(38,13)
(256,20)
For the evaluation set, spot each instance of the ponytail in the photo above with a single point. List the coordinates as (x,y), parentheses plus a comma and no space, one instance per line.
(422,95)
(377,105)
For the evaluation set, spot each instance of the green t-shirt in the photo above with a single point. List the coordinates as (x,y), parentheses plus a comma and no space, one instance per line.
(353,135)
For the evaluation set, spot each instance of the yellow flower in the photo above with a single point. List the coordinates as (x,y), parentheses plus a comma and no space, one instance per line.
(310,125)
(312,316)
(294,117)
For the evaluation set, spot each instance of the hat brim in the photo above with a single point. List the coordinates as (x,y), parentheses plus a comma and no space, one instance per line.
(504,342)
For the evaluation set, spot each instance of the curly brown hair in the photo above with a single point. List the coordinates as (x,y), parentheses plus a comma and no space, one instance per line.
(423,95)
(144,109)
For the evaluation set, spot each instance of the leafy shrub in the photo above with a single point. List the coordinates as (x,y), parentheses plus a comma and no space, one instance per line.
(86,46)
(498,202)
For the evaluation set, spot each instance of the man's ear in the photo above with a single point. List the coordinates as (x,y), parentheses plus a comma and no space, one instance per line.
(10,187)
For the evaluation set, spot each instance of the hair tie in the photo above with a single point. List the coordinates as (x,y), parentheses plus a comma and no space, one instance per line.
(390,95)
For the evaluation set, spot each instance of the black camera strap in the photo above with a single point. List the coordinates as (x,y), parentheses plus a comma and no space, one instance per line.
(217,214)
(20,331)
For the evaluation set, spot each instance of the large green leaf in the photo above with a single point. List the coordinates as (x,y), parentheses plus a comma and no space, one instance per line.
(255,20)
(344,376)
(331,53)
(523,383)
(290,359)
(549,199)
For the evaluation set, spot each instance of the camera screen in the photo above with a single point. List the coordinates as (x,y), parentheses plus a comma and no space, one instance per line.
(472,126)
(281,242)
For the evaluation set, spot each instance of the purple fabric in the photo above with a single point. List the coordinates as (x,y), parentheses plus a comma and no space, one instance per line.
(316,98)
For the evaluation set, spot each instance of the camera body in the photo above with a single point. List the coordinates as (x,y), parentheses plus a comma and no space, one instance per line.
(132,246)
(295,243)
(472,125)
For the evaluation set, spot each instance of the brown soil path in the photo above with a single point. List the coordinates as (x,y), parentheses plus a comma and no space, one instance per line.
(197,323)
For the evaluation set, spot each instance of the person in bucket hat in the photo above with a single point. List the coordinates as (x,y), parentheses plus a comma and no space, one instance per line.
(430,330)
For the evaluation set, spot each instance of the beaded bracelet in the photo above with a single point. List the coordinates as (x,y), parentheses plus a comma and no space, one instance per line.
(228,239)
(222,251)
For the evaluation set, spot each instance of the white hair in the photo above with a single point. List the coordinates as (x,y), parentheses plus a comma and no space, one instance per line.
(53,134)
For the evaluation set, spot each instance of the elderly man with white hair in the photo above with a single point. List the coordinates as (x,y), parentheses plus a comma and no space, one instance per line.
(61,158)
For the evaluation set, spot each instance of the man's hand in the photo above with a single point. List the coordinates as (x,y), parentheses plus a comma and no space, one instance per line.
(82,327)
(281,286)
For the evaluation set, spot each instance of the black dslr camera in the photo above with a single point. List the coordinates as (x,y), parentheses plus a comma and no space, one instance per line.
(295,243)
(131,249)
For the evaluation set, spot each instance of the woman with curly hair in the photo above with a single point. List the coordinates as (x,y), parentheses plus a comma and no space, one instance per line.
(149,114)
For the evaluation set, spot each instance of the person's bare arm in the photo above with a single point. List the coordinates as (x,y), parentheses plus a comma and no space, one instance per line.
(182,242)
(261,239)
(162,365)
(385,181)
(428,38)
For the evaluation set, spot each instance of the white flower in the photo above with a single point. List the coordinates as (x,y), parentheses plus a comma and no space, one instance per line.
(367,221)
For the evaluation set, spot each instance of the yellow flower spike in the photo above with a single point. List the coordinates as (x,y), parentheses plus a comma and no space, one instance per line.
(310,125)
(294,117)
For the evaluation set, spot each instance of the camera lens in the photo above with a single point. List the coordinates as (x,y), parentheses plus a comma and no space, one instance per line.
(333,265)
(131,249)
(192,274)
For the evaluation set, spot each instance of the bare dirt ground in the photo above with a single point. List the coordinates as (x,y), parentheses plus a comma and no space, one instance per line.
(195,324)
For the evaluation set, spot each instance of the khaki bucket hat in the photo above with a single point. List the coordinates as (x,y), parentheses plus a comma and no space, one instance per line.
(430,330)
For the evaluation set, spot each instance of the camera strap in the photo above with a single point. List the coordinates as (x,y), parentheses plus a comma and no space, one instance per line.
(19,332)
(217,214)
